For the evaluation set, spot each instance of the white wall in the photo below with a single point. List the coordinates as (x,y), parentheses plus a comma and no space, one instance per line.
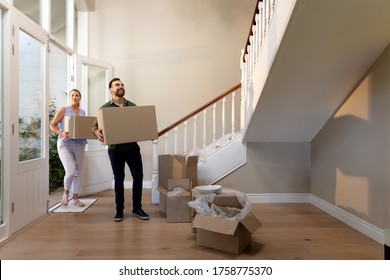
(176,55)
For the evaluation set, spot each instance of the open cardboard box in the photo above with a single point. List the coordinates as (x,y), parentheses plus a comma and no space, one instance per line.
(224,197)
(177,167)
(79,127)
(175,203)
(127,124)
(225,234)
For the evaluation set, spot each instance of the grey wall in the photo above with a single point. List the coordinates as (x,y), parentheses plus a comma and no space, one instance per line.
(350,155)
(273,168)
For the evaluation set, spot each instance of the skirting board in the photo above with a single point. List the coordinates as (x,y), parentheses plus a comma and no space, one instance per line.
(356,223)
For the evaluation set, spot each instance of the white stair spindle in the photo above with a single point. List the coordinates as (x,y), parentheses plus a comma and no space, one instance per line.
(223,121)
(267,14)
(214,125)
(263,21)
(185,137)
(204,129)
(155,196)
(195,117)
(233,113)
(175,142)
(166,135)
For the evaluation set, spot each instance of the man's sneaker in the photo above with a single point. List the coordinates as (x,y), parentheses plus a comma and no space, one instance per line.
(118,217)
(138,212)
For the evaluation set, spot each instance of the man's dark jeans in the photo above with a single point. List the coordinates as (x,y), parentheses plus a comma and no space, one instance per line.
(134,162)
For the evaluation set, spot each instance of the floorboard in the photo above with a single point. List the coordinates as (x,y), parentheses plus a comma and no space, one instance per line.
(288,232)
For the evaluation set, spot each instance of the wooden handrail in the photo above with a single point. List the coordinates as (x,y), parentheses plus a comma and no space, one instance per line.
(219,97)
(250,29)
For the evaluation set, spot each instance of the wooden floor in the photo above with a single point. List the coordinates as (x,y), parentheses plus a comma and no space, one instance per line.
(289,231)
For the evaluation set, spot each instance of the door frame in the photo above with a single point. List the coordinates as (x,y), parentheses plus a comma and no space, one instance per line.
(21,213)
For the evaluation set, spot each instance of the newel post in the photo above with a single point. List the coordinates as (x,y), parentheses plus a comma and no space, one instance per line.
(155,194)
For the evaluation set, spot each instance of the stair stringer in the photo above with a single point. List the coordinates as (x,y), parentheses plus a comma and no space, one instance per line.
(222,162)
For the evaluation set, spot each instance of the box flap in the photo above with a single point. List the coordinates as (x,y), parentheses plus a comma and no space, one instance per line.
(215,224)
(162,190)
(192,161)
(251,223)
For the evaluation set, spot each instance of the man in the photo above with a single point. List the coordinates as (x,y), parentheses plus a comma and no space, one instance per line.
(120,154)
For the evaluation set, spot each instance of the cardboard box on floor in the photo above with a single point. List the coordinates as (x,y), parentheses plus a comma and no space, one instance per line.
(225,234)
(175,204)
(177,167)
(79,127)
(128,124)
(225,197)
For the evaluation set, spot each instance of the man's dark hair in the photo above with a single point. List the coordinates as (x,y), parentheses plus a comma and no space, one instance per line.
(113,80)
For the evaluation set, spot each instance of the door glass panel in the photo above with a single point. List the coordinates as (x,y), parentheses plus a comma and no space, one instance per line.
(58,87)
(58,84)
(96,88)
(30,8)
(30,97)
(1,122)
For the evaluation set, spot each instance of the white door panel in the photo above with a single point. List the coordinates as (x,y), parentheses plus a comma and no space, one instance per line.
(30,185)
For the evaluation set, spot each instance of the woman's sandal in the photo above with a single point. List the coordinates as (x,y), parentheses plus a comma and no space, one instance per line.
(78,203)
(64,200)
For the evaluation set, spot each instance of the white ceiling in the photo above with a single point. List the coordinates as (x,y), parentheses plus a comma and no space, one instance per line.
(327,48)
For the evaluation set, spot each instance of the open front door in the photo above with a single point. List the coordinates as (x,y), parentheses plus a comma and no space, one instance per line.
(29,178)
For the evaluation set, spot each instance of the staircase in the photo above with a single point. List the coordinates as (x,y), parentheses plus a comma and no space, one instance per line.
(212,132)
(309,60)
(318,49)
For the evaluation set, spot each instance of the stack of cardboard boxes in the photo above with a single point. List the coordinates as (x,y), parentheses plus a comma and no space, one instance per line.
(177,175)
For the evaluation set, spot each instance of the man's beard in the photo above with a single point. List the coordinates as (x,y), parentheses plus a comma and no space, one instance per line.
(120,93)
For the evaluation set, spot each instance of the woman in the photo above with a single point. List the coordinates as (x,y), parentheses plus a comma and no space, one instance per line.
(70,151)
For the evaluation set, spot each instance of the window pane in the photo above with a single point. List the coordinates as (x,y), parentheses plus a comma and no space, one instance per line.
(30,8)
(1,122)
(58,20)
(76,30)
(58,84)
(30,97)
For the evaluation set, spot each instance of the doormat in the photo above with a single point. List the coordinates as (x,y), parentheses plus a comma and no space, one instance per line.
(71,208)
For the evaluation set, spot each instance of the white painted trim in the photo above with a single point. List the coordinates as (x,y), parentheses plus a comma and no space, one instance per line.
(279,198)
(356,223)
(360,225)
